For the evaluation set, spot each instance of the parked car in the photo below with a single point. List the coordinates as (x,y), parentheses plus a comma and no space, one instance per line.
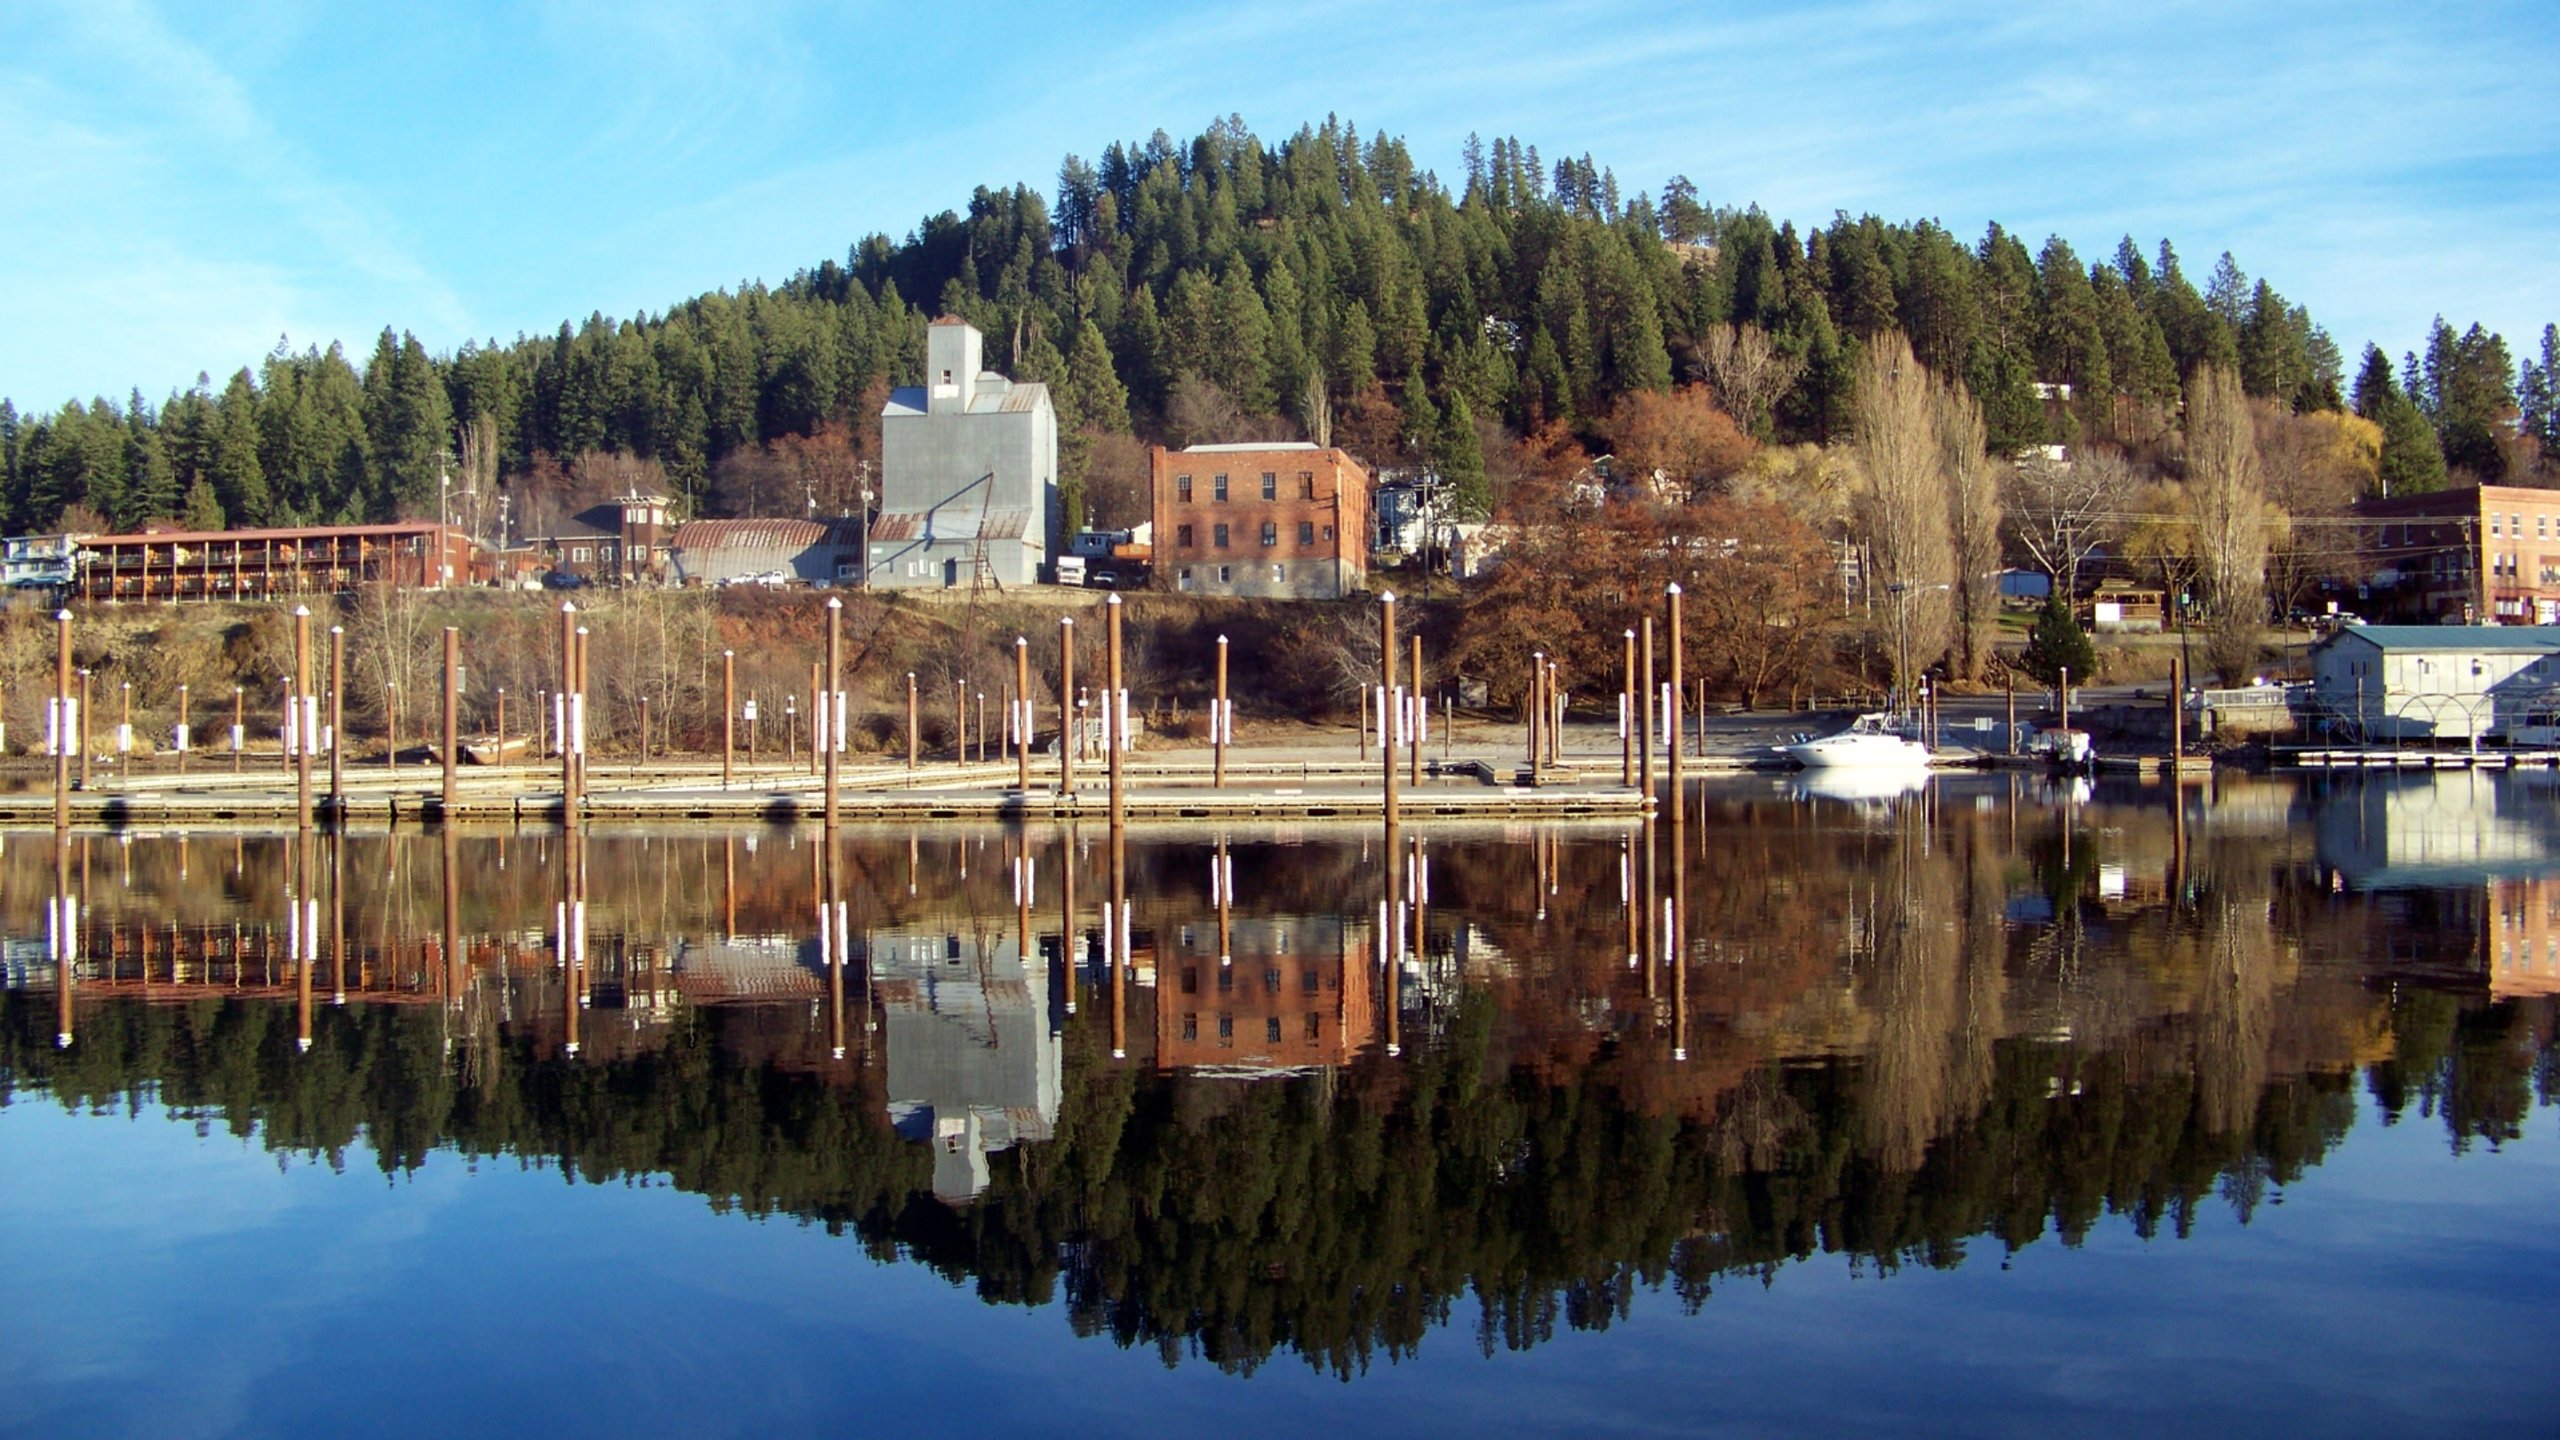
(562,580)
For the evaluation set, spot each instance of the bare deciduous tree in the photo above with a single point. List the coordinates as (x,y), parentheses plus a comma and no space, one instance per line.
(1116,481)
(2229,503)
(1973,525)
(1904,510)
(1748,373)
(2061,511)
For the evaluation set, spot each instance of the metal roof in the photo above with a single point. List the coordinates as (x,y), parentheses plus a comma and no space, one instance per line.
(762,534)
(304,532)
(1247,446)
(2453,637)
(993,395)
(954,524)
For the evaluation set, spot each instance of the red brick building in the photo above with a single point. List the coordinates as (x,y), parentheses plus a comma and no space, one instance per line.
(1285,520)
(2482,554)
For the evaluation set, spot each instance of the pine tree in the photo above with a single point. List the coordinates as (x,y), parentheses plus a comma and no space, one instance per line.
(1420,429)
(1458,454)
(1101,399)
(231,463)
(2412,461)
(2056,643)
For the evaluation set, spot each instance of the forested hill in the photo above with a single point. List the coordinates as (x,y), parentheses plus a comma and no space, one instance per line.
(1224,287)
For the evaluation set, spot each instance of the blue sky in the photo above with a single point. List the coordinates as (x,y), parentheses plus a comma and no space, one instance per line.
(187,183)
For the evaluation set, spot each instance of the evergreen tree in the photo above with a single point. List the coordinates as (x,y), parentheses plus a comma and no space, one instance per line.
(1459,456)
(231,463)
(2056,642)
(2374,385)
(1420,429)
(151,482)
(203,509)
(2412,462)
(1101,399)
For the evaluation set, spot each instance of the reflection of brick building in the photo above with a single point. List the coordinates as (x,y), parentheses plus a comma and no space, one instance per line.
(1283,520)
(2523,937)
(1295,991)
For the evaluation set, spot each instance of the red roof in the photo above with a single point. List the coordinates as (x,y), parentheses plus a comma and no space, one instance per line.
(762,534)
(303,532)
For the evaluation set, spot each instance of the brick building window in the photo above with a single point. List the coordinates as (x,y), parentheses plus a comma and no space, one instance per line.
(1217,487)
(1306,484)
(1182,536)
(1306,532)
(1182,488)
(1270,486)
(1218,537)
(1270,532)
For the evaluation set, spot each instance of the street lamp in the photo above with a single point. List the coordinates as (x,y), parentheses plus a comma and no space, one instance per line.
(1901,590)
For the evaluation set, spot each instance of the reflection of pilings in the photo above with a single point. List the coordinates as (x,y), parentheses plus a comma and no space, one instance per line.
(303,924)
(1391,925)
(1676,911)
(456,966)
(1627,901)
(1222,877)
(1070,943)
(835,933)
(1115,937)
(571,925)
(338,917)
(65,928)
(1652,890)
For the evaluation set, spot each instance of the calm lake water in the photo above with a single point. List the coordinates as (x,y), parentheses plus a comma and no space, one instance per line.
(1989,1107)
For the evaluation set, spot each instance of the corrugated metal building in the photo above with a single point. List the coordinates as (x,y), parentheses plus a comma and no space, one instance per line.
(969,473)
(727,552)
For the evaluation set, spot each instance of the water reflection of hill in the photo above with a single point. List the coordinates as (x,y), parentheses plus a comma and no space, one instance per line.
(1879,1059)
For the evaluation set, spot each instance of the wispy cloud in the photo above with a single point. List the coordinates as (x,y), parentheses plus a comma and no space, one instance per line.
(2376,163)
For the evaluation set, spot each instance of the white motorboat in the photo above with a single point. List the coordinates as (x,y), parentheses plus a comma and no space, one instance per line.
(1871,742)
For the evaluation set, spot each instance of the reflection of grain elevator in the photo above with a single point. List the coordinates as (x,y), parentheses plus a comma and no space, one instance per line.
(973,1047)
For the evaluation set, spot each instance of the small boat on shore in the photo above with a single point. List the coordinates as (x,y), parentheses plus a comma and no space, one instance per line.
(1870,742)
(493,751)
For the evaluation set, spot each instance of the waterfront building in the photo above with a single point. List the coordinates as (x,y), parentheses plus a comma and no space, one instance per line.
(1287,520)
(2487,554)
(771,552)
(613,542)
(969,473)
(2462,683)
(156,564)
